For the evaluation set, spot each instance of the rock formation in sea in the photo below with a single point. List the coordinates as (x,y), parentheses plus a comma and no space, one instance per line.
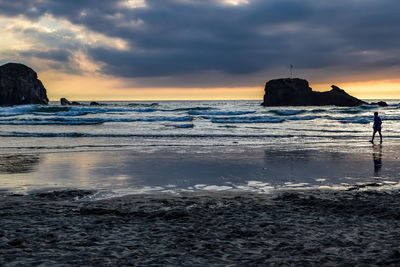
(380,103)
(19,85)
(66,102)
(297,92)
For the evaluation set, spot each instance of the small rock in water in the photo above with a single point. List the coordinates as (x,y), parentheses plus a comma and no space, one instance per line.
(380,103)
(65,102)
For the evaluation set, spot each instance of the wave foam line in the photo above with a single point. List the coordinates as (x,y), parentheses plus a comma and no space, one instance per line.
(80,134)
(257,119)
(223,113)
(88,121)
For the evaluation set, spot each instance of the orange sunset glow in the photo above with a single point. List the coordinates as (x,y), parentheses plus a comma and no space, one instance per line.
(104,88)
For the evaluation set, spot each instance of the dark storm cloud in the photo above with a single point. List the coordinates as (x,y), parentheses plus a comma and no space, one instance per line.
(182,37)
(55,54)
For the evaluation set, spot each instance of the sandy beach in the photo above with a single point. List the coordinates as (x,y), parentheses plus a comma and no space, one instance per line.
(295,227)
(202,207)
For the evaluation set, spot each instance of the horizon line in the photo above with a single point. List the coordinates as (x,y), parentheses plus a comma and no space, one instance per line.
(165,100)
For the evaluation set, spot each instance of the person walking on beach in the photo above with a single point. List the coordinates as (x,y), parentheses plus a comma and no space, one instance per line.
(377,127)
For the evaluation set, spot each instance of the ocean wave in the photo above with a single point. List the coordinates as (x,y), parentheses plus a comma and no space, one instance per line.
(183,126)
(369,106)
(356,110)
(256,119)
(69,111)
(150,119)
(318,110)
(355,120)
(189,109)
(323,130)
(87,121)
(183,136)
(301,118)
(252,119)
(50,109)
(352,111)
(143,104)
(362,119)
(15,110)
(287,112)
(106,135)
(80,111)
(216,113)
(390,118)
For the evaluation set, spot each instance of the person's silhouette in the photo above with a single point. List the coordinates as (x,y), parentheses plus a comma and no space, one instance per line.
(377,127)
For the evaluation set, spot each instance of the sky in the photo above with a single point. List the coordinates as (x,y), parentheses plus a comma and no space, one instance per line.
(202,49)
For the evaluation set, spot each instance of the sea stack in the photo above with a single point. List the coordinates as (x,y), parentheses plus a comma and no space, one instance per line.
(297,92)
(66,102)
(19,85)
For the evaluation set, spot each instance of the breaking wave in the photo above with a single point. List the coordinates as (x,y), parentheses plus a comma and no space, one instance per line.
(143,104)
(287,112)
(189,109)
(16,110)
(257,119)
(252,119)
(86,121)
(65,111)
(216,113)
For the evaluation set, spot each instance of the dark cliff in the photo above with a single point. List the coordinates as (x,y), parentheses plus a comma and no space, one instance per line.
(296,92)
(20,85)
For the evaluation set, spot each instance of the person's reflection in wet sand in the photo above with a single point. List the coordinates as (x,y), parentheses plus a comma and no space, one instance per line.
(377,157)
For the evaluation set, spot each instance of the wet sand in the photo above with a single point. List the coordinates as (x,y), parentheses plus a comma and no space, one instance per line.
(344,210)
(287,227)
(193,168)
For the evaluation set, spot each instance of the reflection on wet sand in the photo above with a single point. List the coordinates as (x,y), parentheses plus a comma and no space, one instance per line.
(377,157)
(253,169)
(18,163)
(299,166)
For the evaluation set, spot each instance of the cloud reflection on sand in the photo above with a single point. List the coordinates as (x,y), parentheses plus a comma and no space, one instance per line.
(211,169)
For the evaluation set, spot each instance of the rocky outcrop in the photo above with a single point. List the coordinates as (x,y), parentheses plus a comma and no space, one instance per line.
(65,102)
(297,92)
(380,103)
(20,85)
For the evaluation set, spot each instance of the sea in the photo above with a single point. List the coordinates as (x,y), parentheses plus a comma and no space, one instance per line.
(224,137)
(198,183)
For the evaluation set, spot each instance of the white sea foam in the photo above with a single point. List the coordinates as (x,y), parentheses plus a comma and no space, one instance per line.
(287,112)
(223,113)
(59,120)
